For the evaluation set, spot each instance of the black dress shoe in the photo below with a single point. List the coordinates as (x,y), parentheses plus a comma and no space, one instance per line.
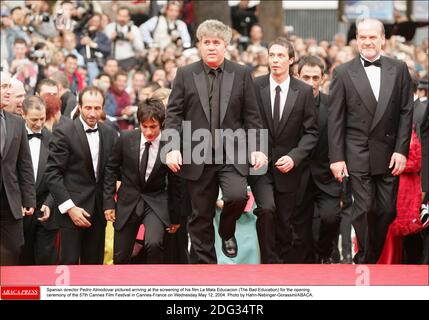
(229,247)
(347,259)
(327,260)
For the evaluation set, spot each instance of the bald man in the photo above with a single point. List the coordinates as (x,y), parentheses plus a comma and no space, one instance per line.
(17,97)
(17,192)
(369,130)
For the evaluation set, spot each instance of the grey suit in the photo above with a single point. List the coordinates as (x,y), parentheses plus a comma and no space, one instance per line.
(16,188)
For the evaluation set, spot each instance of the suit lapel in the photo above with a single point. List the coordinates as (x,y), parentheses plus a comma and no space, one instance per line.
(102,153)
(10,131)
(201,85)
(386,89)
(290,103)
(266,103)
(135,153)
(363,87)
(85,146)
(43,158)
(225,90)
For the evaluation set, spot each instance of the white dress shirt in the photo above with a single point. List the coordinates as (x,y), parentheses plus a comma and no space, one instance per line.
(153,152)
(284,86)
(94,147)
(35,144)
(374,76)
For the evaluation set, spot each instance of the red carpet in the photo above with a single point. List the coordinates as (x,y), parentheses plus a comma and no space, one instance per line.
(178,275)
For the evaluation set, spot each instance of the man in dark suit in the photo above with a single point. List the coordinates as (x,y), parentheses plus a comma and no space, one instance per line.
(319,190)
(40,229)
(17,193)
(78,153)
(209,98)
(288,112)
(369,130)
(143,197)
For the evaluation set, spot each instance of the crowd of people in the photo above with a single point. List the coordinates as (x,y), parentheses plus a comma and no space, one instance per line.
(88,90)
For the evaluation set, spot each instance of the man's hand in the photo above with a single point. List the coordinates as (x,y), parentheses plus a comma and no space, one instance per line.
(172,228)
(128,111)
(78,216)
(174,160)
(85,41)
(110,215)
(46,213)
(27,211)
(258,159)
(339,170)
(398,163)
(130,36)
(285,164)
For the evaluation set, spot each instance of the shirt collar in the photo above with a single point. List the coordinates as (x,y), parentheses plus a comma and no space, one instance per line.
(154,142)
(284,85)
(85,125)
(208,68)
(362,58)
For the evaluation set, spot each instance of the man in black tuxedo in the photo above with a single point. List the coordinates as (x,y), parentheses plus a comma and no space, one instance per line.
(288,112)
(369,130)
(319,190)
(78,153)
(40,229)
(142,197)
(17,193)
(209,98)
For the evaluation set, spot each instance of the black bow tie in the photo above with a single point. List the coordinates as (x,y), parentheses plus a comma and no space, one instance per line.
(91,130)
(34,135)
(376,63)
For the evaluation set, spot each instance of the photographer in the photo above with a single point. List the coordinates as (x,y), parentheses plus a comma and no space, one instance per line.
(243,17)
(94,46)
(39,20)
(21,67)
(126,39)
(166,28)
(14,26)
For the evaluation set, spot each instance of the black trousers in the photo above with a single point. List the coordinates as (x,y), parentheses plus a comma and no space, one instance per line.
(11,233)
(203,193)
(39,243)
(83,245)
(263,191)
(125,238)
(374,209)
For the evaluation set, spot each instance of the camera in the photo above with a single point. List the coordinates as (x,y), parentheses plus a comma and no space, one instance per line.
(122,35)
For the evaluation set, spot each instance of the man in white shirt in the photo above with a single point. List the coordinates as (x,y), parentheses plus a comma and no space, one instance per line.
(369,131)
(166,28)
(288,113)
(142,196)
(40,229)
(75,173)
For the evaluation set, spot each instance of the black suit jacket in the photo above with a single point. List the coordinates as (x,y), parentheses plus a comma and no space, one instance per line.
(123,165)
(318,165)
(16,167)
(297,133)
(424,132)
(189,102)
(70,173)
(362,131)
(42,192)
